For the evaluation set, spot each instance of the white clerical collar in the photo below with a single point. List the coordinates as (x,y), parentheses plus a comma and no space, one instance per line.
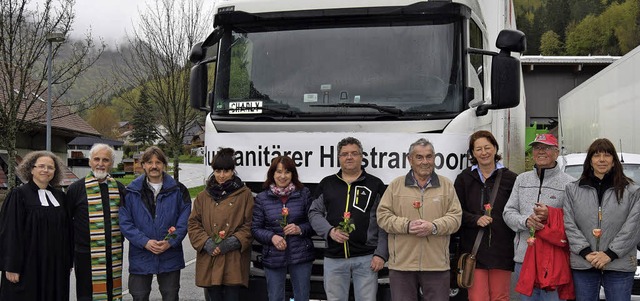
(43,194)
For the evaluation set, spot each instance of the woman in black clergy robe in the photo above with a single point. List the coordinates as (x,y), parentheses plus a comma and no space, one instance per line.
(35,234)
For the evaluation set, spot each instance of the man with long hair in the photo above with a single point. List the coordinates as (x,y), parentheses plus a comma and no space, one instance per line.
(154,220)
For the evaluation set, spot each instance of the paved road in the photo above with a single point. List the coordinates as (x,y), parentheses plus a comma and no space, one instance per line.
(193,175)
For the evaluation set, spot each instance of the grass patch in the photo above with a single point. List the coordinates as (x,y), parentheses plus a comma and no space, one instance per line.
(127,179)
(191,159)
(193,191)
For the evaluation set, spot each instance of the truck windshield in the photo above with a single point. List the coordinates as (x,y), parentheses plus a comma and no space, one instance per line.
(411,70)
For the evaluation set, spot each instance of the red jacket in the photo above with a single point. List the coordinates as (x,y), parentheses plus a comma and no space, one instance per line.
(546,264)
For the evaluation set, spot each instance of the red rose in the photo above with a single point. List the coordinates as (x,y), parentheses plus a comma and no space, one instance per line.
(417,204)
(531,241)
(347,215)
(170,234)
(597,232)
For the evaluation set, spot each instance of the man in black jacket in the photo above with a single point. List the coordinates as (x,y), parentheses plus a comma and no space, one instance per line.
(97,240)
(350,197)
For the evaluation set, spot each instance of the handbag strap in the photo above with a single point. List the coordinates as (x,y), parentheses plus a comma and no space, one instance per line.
(494,194)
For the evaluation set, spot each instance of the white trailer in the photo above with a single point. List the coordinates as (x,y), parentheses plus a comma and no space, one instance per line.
(605,106)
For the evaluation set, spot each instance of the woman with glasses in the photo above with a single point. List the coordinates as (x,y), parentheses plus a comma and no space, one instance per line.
(35,234)
(602,218)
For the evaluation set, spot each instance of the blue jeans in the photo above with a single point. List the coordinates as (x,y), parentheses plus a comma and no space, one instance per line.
(300,280)
(538,294)
(338,273)
(168,283)
(617,285)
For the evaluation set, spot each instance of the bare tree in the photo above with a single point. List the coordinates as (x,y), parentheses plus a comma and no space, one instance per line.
(160,47)
(23,72)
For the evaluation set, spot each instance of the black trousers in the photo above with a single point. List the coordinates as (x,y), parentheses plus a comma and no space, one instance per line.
(84,285)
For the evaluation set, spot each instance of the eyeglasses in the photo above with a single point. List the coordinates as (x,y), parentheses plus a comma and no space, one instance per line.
(543,147)
(351,154)
(45,167)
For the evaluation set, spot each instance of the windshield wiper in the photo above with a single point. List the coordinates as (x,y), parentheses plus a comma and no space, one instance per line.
(384,109)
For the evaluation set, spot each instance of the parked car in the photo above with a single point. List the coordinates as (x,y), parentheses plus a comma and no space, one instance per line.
(573,163)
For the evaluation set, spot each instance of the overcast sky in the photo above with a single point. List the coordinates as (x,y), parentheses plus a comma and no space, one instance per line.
(106,19)
(109,19)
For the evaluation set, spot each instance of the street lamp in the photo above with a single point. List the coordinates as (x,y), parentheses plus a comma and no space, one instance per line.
(52,37)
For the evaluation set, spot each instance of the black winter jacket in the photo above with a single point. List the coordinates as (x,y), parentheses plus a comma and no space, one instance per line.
(329,205)
(472,194)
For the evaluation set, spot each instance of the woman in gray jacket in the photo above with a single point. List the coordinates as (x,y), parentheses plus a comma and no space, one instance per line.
(602,218)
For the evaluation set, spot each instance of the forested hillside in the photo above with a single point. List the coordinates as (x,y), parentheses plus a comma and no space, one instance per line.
(100,82)
(579,27)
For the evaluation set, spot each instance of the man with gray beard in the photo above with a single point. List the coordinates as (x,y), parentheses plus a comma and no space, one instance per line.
(94,202)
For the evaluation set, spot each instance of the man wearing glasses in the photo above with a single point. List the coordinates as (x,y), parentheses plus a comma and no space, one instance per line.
(350,196)
(527,207)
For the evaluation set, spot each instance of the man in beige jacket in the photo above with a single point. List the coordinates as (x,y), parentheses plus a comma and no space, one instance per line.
(419,211)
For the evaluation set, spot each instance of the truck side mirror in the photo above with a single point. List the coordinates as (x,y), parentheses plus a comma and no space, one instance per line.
(505,72)
(197,53)
(198,86)
(199,78)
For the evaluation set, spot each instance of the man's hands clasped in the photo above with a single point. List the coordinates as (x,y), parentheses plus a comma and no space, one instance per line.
(157,246)
(421,228)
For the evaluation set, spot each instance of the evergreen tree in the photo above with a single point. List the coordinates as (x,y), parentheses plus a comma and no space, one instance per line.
(538,27)
(556,17)
(579,9)
(143,122)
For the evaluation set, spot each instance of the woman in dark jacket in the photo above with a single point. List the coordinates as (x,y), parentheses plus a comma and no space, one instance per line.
(281,225)
(474,186)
